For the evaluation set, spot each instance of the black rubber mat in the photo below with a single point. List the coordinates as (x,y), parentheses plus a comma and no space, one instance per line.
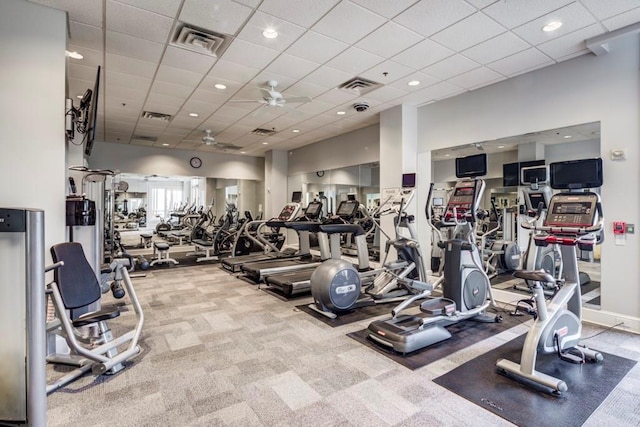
(276,293)
(595,301)
(356,315)
(463,334)
(592,285)
(479,382)
(501,278)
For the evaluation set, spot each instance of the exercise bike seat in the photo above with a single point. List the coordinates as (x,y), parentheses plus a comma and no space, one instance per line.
(535,276)
(96,316)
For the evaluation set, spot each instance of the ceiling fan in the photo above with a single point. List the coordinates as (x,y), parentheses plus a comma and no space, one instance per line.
(477,145)
(273,98)
(210,141)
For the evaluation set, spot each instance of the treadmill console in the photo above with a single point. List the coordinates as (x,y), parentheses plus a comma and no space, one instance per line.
(347,209)
(287,213)
(463,199)
(313,211)
(572,210)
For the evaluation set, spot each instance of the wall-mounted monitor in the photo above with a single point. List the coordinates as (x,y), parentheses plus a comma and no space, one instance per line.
(510,174)
(576,174)
(296,197)
(408,180)
(91,119)
(534,175)
(471,166)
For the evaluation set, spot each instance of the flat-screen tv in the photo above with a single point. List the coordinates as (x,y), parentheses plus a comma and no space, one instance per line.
(91,118)
(576,174)
(296,197)
(510,174)
(534,175)
(471,166)
(408,180)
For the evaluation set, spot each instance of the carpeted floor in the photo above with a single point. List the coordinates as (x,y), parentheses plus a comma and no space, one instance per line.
(218,351)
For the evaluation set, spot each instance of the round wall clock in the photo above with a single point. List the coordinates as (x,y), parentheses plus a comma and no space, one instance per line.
(195,162)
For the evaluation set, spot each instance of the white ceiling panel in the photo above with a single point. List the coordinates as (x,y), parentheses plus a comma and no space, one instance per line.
(386,93)
(573,17)
(291,66)
(250,3)
(423,54)
(301,12)
(393,70)
(570,43)
(127,65)
(142,142)
(127,81)
(520,61)
(203,109)
(306,89)
(124,45)
(328,77)
(249,54)
(354,61)
(92,58)
(187,60)
(165,104)
(479,77)
(233,72)
(348,22)
(178,76)
(260,81)
(221,16)
(316,47)
(451,66)
(481,4)
(164,7)
(85,11)
(386,8)
(622,20)
(440,91)
(458,37)
(389,40)
(85,35)
(171,89)
(126,94)
(514,13)
(505,44)
(334,97)
(430,16)
(424,79)
(609,8)
(287,32)
(137,22)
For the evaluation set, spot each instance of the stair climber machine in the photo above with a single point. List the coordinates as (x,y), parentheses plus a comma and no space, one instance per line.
(536,198)
(573,220)
(337,286)
(466,291)
(500,255)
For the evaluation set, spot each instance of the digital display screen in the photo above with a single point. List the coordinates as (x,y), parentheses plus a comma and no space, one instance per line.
(408,180)
(534,175)
(438,201)
(471,166)
(347,208)
(576,174)
(464,191)
(577,208)
(535,199)
(296,197)
(510,172)
(313,209)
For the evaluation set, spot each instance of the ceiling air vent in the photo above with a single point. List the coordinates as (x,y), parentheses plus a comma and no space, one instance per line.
(359,85)
(199,40)
(263,132)
(145,138)
(156,116)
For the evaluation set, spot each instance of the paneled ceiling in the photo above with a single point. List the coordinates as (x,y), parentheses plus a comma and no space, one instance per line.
(449,46)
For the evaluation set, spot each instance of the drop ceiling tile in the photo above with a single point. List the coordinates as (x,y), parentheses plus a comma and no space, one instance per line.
(221,16)
(250,3)
(87,12)
(481,4)
(178,76)
(386,8)
(92,58)
(316,47)
(348,22)
(607,9)
(165,104)
(386,93)
(124,45)
(479,77)
(203,109)
(334,97)
(142,142)
(569,44)
(300,12)
(354,61)
(287,32)
(127,65)
(164,7)
(440,90)
(291,66)
(231,112)
(520,61)
(573,16)
(284,122)
(187,60)
(128,81)
(126,94)
(393,70)
(231,71)
(260,81)
(389,40)
(451,66)
(622,20)
(514,13)
(136,22)
(415,100)
(249,54)
(171,89)
(302,88)
(468,32)
(86,36)
(505,44)
(430,16)
(423,54)
(327,77)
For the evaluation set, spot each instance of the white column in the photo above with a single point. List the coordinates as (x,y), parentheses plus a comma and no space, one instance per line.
(275,178)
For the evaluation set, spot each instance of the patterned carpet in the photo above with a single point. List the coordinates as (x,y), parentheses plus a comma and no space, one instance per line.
(218,351)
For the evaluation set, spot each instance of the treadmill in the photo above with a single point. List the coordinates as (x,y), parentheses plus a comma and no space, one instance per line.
(257,270)
(297,282)
(234,264)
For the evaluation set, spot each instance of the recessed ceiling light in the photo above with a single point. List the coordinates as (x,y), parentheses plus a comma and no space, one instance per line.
(73,55)
(414,83)
(243,152)
(270,33)
(447,155)
(165,145)
(567,136)
(193,114)
(220,86)
(79,96)
(341,113)
(552,26)
(265,143)
(295,130)
(500,146)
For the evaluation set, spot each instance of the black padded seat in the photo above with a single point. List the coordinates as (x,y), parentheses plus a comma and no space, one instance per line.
(161,246)
(76,279)
(536,276)
(146,235)
(206,243)
(355,229)
(97,316)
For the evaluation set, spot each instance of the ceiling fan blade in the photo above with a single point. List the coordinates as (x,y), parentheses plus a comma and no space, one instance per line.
(293,111)
(298,99)
(223,146)
(259,111)
(245,100)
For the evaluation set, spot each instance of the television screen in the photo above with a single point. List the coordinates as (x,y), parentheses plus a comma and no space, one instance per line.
(92,119)
(535,174)
(347,208)
(575,174)
(296,197)
(510,173)
(471,166)
(408,180)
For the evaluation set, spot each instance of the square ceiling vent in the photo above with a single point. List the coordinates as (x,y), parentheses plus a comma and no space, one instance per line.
(359,85)
(156,116)
(199,40)
(263,132)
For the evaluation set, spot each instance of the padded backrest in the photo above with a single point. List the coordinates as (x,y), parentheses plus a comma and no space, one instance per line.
(76,280)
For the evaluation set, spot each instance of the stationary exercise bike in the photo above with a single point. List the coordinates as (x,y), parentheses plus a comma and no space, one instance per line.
(571,222)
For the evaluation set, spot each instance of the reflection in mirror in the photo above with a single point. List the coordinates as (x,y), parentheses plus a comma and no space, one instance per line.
(504,241)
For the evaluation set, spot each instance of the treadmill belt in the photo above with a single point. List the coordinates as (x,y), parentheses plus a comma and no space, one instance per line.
(589,384)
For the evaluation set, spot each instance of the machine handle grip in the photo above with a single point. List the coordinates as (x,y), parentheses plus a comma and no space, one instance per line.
(53,266)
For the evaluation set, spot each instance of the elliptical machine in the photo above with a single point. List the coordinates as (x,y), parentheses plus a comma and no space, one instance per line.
(465,286)
(571,222)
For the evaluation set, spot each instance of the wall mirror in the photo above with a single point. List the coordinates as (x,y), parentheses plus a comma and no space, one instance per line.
(504,198)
